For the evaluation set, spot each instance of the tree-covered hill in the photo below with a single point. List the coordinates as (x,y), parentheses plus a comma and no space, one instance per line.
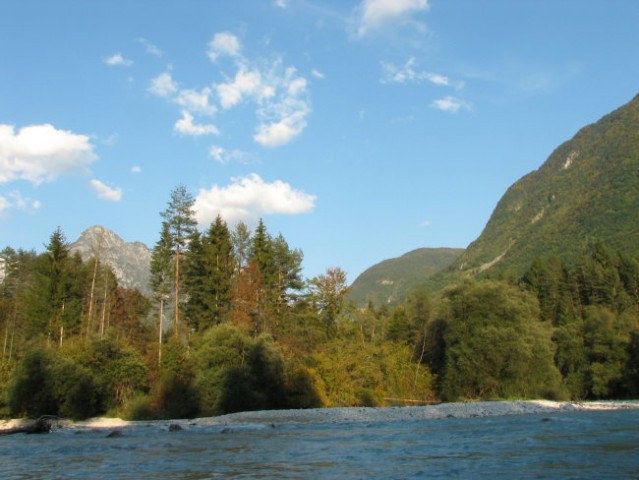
(587,189)
(390,280)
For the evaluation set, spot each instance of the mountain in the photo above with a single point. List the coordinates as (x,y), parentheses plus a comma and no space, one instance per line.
(130,261)
(587,189)
(389,280)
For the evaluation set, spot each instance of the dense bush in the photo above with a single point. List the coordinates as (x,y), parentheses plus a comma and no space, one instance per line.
(47,384)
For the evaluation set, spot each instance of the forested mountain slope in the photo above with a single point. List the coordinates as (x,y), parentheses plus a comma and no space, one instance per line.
(390,280)
(587,189)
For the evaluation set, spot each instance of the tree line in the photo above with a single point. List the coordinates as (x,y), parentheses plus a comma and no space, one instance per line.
(232,325)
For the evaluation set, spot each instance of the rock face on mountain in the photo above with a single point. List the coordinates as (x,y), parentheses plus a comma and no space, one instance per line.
(390,280)
(130,261)
(587,189)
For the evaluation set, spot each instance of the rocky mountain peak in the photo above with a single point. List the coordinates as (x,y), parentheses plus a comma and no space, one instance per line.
(130,261)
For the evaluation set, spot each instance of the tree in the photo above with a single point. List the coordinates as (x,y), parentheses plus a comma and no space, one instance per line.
(288,265)
(161,260)
(495,344)
(180,220)
(327,293)
(241,241)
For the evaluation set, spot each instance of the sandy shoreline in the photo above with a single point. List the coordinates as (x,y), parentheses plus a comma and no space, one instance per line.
(360,414)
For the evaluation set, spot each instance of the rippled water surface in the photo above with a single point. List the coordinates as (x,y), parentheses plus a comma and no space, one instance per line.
(566,445)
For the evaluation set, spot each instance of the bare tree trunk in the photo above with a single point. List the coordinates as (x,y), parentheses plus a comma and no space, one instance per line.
(92,296)
(6,338)
(104,305)
(160,333)
(177,293)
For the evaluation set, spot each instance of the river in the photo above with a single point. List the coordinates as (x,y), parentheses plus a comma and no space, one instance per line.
(562,444)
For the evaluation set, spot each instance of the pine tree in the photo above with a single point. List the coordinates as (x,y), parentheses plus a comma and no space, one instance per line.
(180,220)
(221,266)
(241,242)
(161,274)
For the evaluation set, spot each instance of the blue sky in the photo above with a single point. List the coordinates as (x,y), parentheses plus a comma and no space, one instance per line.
(359,129)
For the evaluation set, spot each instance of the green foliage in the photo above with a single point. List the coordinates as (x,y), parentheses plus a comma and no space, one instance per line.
(364,374)
(495,345)
(48,384)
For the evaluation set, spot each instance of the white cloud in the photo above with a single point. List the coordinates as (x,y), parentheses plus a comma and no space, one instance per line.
(376,13)
(150,48)
(136,169)
(249,198)
(318,74)
(104,192)
(407,73)
(118,60)
(281,3)
(15,200)
(39,153)
(451,104)
(224,43)
(163,85)
(278,93)
(196,102)
(186,126)
(245,83)
(283,116)
(222,155)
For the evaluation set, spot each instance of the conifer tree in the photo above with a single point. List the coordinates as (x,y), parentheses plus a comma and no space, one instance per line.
(180,220)
(161,274)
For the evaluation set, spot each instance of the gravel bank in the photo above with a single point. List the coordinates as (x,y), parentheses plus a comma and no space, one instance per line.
(360,414)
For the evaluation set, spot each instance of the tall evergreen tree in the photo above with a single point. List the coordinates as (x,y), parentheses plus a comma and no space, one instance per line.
(288,265)
(161,274)
(241,241)
(221,266)
(180,219)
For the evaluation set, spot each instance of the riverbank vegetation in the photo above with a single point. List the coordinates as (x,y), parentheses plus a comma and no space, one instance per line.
(233,326)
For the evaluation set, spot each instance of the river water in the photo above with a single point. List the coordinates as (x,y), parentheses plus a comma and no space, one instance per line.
(583,444)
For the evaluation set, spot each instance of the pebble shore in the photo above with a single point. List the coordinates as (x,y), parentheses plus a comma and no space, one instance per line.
(362,414)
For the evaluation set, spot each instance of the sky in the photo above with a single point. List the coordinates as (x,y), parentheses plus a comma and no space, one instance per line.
(358,129)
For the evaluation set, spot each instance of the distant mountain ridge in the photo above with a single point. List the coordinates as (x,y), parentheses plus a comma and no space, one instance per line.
(587,189)
(390,280)
(130,261)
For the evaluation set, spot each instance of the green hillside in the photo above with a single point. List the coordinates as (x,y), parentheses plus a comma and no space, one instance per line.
(389,280)
(588,188)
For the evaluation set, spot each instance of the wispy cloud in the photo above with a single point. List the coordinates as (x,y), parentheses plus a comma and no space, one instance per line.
(39,153)
(281,3)
(186,126)
(136,169)
(224,156)
(15,200)
(451,104)
(150,48)
(248,198)
(374,14)
(118,60)
(104,192)
(318,74)
(409,73)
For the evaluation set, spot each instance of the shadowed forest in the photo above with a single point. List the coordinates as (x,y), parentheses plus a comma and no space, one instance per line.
(233,326)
